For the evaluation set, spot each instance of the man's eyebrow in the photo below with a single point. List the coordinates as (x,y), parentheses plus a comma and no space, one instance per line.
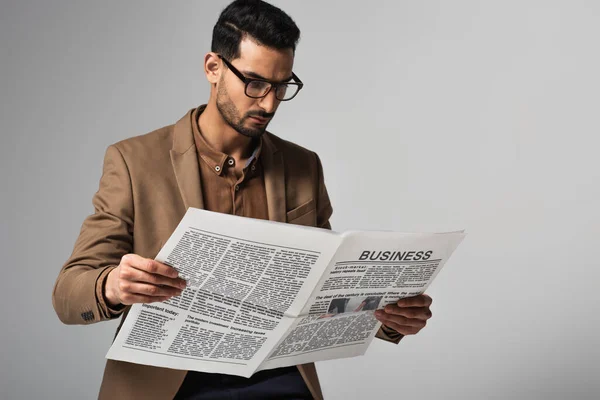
(251,74)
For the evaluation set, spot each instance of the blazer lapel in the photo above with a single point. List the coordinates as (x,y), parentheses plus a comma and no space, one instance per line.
(184,159)
(274,180)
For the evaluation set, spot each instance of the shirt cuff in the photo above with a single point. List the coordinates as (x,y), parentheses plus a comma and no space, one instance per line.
(392,335)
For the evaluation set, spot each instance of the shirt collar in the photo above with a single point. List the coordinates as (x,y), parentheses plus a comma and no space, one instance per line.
(215,159)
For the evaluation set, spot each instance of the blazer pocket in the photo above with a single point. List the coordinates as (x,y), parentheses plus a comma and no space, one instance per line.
(300,215)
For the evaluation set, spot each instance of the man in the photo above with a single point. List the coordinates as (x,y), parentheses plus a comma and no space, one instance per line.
(218,157)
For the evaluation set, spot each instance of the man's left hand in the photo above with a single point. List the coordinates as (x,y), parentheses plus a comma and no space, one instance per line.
(408,316)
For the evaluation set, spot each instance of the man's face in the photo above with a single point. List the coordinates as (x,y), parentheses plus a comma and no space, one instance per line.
(246,115)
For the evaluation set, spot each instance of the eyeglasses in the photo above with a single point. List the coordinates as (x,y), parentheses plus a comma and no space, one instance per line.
(259,88)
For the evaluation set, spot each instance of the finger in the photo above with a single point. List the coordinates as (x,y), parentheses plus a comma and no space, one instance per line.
(129,299)
(403,329)
(409,312)
(400,320)
(150,266)
(421,300)
(137,275)
(146,289)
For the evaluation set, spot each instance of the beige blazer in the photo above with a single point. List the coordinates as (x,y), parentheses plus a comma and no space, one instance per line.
(148,182)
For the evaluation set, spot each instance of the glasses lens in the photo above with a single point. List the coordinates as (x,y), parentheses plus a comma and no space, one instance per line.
(257,88)
(287,91)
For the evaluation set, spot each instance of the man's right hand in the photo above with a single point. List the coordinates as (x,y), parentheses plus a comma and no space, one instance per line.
(141,280)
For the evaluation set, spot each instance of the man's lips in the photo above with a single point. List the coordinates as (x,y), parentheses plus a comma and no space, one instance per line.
(260,120)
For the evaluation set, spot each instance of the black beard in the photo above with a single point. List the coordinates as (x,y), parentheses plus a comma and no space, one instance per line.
(230,113)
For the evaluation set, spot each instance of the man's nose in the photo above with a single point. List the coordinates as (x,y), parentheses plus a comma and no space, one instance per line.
(269,103)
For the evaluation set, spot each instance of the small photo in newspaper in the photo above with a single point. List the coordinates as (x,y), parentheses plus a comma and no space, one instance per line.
(352,304)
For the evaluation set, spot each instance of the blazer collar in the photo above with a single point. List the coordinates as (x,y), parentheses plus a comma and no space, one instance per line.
(184,158)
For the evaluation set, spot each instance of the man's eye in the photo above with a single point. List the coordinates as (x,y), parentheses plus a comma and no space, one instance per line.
(258,84)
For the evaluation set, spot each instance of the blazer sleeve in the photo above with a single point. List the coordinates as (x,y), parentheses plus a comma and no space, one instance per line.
(324,212)
(105,237)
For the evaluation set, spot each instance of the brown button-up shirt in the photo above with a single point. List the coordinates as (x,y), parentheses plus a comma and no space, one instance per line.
(222,190)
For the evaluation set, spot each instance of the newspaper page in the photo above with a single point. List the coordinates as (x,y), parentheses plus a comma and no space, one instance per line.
(368,271)
(247,280)
(263,294)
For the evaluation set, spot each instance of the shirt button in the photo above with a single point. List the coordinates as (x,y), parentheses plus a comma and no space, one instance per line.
(217,168)
(231,161)
(253,167)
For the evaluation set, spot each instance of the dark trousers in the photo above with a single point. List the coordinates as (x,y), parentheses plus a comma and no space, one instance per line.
(278,383)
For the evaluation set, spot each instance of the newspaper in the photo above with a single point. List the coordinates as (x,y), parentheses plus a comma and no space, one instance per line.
(264,294)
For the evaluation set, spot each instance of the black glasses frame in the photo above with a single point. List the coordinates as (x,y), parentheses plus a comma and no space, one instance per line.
(247,82)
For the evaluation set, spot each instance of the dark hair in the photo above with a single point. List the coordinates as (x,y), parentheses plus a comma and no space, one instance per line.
(263,22)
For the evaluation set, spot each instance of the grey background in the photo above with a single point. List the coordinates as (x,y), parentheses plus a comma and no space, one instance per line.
(428,116)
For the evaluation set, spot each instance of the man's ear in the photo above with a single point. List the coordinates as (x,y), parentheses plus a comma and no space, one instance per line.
(213,67)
